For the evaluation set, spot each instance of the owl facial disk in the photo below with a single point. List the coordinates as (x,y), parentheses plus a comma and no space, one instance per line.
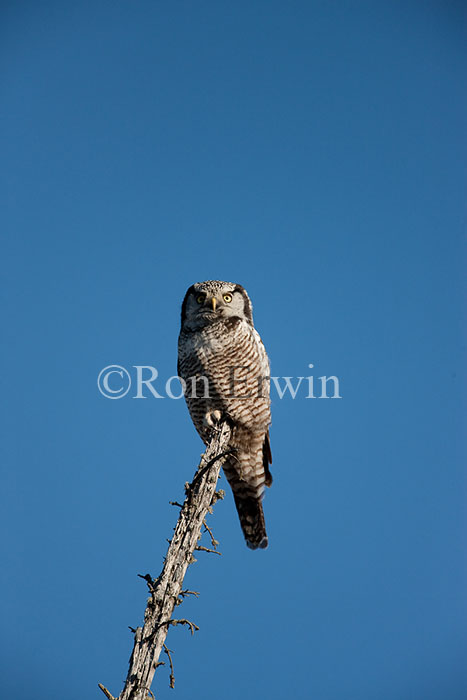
(211,301)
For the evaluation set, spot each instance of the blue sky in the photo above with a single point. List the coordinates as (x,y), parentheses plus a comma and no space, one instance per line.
(315,153)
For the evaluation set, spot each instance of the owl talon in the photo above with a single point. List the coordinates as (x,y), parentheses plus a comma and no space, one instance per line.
(212,419)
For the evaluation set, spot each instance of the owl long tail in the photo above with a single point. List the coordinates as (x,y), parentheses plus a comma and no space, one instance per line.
(248,473)
(250,513)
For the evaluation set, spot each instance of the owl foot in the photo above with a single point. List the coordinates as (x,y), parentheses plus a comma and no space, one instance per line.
(212,419)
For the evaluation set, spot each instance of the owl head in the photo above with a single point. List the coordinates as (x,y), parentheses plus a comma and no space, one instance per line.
(212,301)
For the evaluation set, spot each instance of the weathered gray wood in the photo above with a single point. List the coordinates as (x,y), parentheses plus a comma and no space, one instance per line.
(166,590)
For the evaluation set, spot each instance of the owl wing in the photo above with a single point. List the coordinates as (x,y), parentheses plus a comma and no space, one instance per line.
(265,370)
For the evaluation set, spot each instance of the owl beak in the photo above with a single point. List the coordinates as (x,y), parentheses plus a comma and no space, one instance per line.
(213,302)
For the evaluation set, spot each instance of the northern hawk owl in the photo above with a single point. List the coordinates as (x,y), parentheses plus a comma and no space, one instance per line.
(225,367)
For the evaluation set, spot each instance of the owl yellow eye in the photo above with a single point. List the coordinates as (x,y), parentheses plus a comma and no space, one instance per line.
(227,298)
(200,299)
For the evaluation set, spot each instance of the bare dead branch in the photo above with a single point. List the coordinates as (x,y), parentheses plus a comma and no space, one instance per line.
(186,592)
(214,542)
(169,652)
(150,581)
(166,590)
(199,548)
(183,594)
(193,628)
(106,692)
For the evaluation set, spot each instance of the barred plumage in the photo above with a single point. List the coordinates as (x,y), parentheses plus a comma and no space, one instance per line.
(219,342)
